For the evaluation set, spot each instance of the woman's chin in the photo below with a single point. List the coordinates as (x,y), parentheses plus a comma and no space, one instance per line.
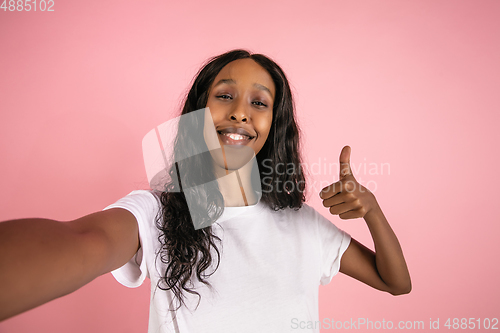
(232,157)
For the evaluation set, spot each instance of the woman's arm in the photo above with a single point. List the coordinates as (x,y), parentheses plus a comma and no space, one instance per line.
(386,268)
(41,259)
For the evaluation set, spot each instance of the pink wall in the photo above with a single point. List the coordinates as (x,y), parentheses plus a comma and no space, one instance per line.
(412,85)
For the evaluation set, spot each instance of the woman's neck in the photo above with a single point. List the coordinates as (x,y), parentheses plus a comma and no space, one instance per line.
(236,186)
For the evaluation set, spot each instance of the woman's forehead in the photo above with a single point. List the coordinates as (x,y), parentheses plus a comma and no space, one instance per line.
(245,72)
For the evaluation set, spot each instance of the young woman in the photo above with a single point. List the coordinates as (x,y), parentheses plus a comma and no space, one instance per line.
(224,252)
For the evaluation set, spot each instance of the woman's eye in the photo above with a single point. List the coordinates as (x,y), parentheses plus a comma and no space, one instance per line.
(258,103)
(224,96)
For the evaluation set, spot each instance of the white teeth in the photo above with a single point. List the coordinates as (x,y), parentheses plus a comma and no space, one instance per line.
(236,137)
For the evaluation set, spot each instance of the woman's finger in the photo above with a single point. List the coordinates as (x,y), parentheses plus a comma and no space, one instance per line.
(343,207)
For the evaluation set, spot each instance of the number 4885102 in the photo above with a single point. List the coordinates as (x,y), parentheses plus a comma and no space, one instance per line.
(28,5)
(472,323)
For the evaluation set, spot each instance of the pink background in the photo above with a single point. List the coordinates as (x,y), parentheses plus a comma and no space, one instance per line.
(410,83)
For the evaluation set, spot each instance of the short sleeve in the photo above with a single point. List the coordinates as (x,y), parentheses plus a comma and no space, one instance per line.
(334,242)
(144,206)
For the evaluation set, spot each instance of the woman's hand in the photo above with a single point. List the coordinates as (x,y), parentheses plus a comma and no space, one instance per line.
(347,198)
(385,269)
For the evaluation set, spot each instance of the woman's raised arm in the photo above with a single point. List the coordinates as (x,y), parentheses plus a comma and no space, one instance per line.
(41,259)
(386,268)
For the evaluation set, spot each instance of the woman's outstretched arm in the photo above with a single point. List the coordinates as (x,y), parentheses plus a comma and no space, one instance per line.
(385,269)
(41,259)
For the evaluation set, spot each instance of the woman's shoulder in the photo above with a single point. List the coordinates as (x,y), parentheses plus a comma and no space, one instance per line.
(139,200)
(143,195)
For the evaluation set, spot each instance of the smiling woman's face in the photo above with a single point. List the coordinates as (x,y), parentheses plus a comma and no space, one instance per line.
(241,102)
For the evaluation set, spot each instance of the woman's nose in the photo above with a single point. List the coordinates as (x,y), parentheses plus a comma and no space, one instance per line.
(240,114)
(239,117)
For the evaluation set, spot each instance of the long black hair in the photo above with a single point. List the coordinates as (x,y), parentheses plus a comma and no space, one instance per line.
(187,251)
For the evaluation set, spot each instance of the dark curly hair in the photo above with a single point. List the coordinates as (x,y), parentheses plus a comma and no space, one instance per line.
(186,250)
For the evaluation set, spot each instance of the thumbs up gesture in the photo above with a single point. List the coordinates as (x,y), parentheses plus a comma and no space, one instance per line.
(347,198)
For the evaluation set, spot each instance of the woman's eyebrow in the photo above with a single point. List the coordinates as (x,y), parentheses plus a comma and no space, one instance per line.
(227,81)
(261,87)
(256,85)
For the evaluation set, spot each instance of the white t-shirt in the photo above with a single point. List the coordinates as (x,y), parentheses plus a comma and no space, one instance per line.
(272,263)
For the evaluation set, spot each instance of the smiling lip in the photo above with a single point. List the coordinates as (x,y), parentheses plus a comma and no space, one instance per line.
(235,136)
